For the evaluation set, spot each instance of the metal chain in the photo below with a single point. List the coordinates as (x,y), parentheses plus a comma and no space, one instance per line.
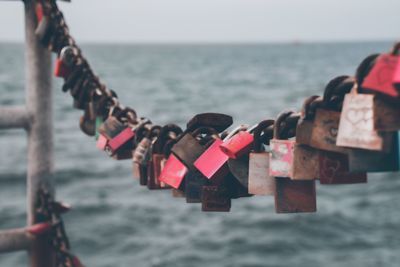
(47,211)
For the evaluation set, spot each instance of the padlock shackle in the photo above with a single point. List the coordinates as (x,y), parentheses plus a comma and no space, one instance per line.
(261,127)
(154,132)
(168,147)
(167,132)
(336,90)
(285,125)
(365,67)
(206,131)
(309,107)
(396,49)
(242,127)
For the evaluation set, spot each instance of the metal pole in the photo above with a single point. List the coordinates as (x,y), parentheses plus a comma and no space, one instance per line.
(15,240)
(40,134)
(14,117)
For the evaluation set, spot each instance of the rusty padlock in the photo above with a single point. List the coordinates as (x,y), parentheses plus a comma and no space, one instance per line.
(259,180)
(361,160)
(334,169)
(291,196)
(141,155)
(320,116)
(157,158)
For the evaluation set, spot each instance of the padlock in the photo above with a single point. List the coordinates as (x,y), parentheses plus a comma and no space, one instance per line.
(39,11)
(238,144)
(141,144)
(334,169)
(380,77)
(396,77)
(239,167)
(320,116)
(213,162)
(44,30)
(386,115)
(83,97)
(194,179)
(141,154)
(290,195)
(361,160)
(174,171)
(188,148)
(287,158)
(87,125)
(119,129)
(153,182)
(101,142)
(356,127)
(66,61)
(217,121)
(215,198)
(75,76)
(259,180)
(294,196)
(157,158)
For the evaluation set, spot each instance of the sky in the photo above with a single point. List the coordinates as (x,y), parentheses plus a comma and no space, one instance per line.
(204,21)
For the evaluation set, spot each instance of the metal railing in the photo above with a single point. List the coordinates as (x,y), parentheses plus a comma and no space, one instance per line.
(36,119)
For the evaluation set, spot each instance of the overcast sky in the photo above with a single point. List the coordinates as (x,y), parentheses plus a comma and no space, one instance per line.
(218,20)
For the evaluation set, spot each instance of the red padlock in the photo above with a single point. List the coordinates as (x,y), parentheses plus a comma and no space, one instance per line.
(174,172)
(239,144)
(396,77)
(39,12)
(213,162)
(380,78)
(118,141)
(65,62)
(101,142)
(60,69)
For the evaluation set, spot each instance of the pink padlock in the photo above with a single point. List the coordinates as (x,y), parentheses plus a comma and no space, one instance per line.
(118,141)
(101,142)
(213,162)
(174,172)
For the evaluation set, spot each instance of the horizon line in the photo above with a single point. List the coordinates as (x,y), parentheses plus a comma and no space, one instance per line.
(228,42)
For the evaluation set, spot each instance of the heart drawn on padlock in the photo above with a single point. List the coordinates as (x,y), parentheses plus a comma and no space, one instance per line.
(330,168)
(360,118)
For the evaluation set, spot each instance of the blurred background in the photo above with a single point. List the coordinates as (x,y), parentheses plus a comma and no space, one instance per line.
(170,60)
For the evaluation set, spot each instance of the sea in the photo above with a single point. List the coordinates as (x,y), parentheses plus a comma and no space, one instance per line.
(116,222)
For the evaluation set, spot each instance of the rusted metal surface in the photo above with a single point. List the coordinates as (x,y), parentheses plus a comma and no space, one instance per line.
(40,135)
